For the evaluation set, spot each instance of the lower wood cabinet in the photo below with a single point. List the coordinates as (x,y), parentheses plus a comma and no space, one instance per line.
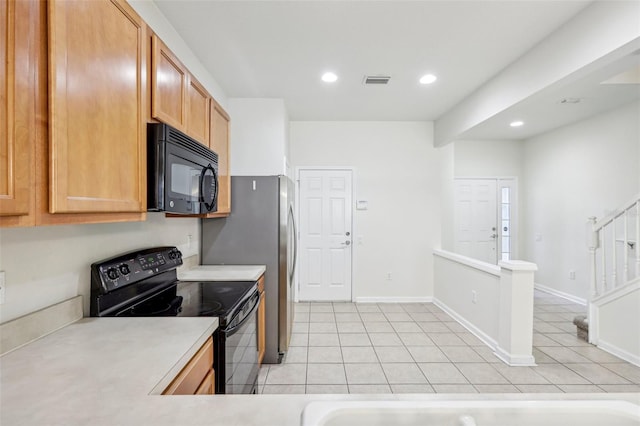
(207,387)
(262,341)
(197,377)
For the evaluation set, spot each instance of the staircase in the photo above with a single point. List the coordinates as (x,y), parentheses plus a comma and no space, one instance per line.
(614,257)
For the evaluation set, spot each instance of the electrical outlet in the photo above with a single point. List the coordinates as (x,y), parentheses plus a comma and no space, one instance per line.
(474,296)
(2,287)
(388,276)
(189,240)
(572,275)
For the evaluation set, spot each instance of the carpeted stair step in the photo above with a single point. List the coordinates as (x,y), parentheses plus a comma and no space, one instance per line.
(582,325)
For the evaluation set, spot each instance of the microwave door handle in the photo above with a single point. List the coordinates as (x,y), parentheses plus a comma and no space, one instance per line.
(217,186)
(208,206)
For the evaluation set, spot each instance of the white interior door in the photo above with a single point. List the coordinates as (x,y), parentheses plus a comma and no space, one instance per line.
(475,219)
(325,198)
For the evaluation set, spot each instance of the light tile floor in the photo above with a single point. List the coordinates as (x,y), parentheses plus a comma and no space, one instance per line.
(417,348)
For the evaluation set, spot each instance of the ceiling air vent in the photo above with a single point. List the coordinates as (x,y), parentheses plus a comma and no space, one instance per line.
(376,79)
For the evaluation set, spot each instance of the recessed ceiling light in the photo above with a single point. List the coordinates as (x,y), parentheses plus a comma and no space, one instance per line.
(329,77)
(428,79)
(516,123)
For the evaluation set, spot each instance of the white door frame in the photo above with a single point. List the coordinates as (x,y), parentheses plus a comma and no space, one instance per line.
(512,182)
(297,213)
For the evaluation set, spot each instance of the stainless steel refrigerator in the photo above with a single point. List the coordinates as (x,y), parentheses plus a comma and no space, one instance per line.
(260,231)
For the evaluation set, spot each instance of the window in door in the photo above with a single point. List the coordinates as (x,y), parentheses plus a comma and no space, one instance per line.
(505,219)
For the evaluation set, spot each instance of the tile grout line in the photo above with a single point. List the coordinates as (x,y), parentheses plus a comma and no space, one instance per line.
(556,335)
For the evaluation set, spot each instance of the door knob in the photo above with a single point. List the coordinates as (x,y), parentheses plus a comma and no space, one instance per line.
(346,243)
(494,236)
(348,233)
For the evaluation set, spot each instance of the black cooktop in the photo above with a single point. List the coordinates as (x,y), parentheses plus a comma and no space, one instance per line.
(212,298)
(144,283)
(193,299)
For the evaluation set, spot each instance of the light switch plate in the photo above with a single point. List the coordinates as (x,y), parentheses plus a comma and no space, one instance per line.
(2,287)
(362,205)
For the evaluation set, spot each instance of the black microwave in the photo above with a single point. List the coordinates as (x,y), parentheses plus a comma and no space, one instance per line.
(182,174)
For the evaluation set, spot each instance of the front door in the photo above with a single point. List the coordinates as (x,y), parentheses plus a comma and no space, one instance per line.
(475,219)
(325,210)
(485,218)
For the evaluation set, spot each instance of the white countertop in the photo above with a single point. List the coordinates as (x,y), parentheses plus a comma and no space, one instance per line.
(221,273)
(73,375)
(107,371)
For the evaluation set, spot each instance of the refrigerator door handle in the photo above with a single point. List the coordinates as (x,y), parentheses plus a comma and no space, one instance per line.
(295,243)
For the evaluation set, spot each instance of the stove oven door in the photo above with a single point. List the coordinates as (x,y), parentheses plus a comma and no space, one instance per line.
(236,361)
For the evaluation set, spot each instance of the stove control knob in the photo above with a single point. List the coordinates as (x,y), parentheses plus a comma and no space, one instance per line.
(112,273)
(124,269)
(175,254)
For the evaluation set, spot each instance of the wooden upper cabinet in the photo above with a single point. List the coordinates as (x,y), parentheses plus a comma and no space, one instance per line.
(17,110)
(177,98)
(219,138)
(198,112)
(219,143)
(97,117)
(169,86)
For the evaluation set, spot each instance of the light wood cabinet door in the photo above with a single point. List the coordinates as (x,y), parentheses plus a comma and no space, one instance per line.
(194,376)
(198,112)
(169,86)
(17,110)
(207,387)
(97,72)
(262,317)
(220,145)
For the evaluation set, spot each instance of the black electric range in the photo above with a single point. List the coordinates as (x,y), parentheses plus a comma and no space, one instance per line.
(144,283)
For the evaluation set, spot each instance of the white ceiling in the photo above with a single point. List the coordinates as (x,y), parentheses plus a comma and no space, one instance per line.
(279,49)
(611,84)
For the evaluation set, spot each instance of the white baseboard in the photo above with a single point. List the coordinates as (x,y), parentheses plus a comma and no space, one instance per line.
(515,360)
(620,353)
(394,299)
(553,291)
(504,356)
(486,339)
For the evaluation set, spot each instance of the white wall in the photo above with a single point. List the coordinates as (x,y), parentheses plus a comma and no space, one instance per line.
(259,136)
(48,264)
(397,170)
(488,158)
(447,164)
(585,169)
(564,56)
(456,278)
(492,158)
(619,326)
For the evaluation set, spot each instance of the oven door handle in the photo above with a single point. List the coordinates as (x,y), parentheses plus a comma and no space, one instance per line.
(254,308)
